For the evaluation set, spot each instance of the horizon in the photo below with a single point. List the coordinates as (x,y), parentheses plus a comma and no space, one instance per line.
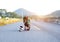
(40,7)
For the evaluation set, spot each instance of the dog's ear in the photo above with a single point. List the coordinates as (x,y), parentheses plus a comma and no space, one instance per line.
(21,26)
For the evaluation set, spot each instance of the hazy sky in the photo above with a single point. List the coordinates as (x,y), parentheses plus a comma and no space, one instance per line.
(41,7)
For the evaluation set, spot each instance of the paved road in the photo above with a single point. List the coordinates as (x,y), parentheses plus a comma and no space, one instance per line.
(52,29)
(10,33)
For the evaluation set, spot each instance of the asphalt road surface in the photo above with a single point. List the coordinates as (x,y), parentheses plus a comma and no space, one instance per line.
(39,32)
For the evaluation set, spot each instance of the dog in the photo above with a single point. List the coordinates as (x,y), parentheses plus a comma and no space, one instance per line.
(21,28)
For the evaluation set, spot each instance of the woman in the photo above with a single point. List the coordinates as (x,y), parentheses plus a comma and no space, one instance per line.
(26,23)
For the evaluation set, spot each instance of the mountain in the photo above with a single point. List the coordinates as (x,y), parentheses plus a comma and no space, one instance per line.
(55,13)
(23,12)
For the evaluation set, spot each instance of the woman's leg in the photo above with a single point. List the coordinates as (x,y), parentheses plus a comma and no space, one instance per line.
(27,26)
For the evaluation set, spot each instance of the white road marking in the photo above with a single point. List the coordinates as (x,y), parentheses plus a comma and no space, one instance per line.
(35,27)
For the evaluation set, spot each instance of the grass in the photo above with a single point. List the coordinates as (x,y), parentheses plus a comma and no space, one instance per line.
(4,21)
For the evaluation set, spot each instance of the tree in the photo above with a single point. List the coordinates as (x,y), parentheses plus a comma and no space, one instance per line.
(3,12)
(12,15)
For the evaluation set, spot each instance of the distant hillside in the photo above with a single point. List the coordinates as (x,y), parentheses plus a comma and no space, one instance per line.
(23,11)
(55,14)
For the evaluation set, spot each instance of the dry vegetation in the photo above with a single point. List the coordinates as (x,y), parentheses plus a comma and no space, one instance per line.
(4,21)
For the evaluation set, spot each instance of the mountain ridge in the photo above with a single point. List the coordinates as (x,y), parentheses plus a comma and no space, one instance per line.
(55,13)
(23,12)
